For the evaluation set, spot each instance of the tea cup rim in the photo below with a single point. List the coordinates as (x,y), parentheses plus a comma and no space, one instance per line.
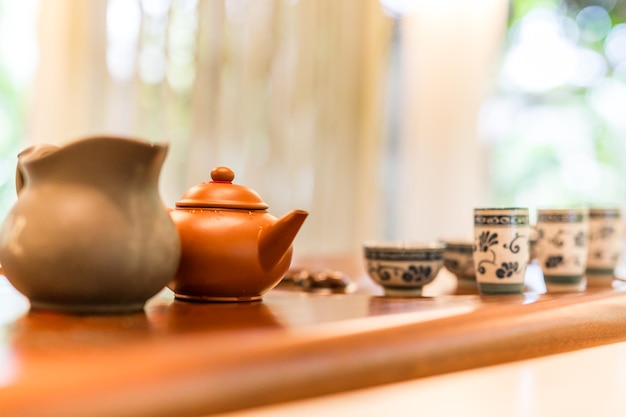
(458,242)
(503,208)
(403,245)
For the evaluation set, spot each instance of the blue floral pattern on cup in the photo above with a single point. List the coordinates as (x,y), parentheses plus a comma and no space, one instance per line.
(605,242)
(562,245)
(411,273)
(501,248)
(458,258)
(559,239)
(486,240)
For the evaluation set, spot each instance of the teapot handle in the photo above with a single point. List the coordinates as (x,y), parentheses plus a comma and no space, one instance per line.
(32,152)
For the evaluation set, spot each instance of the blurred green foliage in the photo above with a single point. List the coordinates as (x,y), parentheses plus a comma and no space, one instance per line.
(528,166)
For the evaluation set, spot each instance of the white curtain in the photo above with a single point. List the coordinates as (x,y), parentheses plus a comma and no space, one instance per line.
(288,93)
(452,50)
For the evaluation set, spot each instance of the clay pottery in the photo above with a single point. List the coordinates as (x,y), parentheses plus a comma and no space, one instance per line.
(232,249)
(89,231)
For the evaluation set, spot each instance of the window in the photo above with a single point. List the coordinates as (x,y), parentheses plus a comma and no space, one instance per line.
(555,128)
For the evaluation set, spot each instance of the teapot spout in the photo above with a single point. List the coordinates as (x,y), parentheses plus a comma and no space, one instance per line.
(276,240)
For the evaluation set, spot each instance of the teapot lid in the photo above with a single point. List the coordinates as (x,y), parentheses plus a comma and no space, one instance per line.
(220,192)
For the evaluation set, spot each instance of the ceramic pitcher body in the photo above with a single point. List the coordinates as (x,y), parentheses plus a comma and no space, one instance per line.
(89,231)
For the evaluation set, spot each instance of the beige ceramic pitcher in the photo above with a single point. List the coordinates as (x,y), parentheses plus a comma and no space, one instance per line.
(89,231)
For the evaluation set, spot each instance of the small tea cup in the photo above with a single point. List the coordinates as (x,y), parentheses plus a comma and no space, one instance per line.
(562,247)
(605,245)
(501,249)
(403,268)
(458,259)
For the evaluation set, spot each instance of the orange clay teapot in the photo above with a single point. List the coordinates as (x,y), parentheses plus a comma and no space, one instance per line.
(232,248)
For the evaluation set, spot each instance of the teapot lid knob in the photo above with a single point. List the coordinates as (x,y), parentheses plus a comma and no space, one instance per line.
(220,192)
(222,174)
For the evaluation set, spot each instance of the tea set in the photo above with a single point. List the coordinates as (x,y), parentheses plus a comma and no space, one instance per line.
(89,232)
(574,247)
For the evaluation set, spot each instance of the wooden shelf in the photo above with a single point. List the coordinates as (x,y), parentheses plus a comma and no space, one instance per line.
(193,359)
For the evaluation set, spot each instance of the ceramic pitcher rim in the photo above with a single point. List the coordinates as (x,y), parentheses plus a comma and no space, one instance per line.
(112,137)
(108,137)
(26,158)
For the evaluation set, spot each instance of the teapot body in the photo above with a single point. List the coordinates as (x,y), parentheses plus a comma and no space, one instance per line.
(220,255)
(89,231)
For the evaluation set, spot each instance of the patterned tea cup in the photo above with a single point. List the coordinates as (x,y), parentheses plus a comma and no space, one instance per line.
(501,249)
(562,247)
(403,268)
(458,259)
(605,245)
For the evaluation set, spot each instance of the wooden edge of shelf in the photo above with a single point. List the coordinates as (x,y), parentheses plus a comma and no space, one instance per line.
(190,376)
(398,353)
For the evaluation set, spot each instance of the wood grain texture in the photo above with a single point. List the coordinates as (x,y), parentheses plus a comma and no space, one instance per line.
(192,359)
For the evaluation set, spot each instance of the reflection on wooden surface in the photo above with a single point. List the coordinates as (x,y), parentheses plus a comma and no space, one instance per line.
(183,316)
(187,359)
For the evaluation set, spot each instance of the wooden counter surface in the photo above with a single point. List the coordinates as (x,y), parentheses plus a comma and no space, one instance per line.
(193,359)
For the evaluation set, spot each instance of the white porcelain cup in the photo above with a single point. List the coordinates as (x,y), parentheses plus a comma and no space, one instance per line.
(562,246)
(501,249)
(605,245)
